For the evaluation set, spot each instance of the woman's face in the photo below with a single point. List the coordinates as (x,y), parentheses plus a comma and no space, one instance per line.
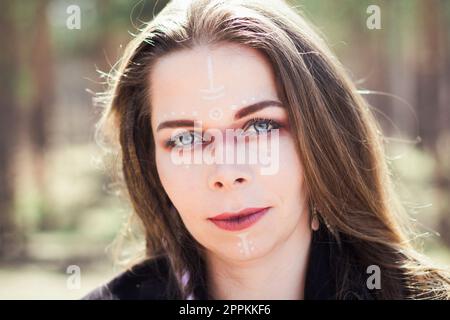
(223,145)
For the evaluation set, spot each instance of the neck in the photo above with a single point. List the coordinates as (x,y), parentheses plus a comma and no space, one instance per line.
(280,274)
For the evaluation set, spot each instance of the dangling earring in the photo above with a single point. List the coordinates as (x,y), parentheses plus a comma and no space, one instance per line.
(315,220)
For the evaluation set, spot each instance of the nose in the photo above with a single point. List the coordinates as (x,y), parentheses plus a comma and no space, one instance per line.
(228,177)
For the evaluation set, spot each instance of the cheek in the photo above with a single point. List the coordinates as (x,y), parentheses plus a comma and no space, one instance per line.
(287,185)
(174,178)
(178,182)
(288,188)
(293,167)
(287,180)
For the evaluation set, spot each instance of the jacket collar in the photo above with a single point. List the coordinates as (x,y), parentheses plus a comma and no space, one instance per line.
(321,274)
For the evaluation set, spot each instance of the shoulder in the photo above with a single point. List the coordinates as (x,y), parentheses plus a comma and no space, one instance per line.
(145,280)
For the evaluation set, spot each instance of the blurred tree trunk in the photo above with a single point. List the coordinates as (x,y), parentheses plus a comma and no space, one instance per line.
(429,68)
(106,51)
(10,240)
(433,98)
(41,102)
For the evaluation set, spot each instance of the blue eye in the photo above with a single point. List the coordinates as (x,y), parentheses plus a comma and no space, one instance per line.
(185,139)
(254,126)
(260,126)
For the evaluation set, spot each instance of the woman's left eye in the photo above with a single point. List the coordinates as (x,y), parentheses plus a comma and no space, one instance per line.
(260,126)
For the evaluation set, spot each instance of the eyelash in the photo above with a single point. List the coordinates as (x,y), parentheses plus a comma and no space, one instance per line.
(170,143)
(252,121)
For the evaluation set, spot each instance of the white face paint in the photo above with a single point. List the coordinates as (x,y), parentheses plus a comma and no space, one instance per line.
(213,92)
(246,247)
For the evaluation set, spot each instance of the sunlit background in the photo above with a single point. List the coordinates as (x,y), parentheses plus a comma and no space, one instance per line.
(56,209)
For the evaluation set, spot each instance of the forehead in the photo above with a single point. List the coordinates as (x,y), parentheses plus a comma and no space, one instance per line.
(206,76)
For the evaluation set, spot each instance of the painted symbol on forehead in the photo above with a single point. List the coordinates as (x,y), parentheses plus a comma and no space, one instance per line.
(212,92)
(216,113)
(246,246)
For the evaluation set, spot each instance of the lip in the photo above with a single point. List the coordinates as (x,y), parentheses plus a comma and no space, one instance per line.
(239,220)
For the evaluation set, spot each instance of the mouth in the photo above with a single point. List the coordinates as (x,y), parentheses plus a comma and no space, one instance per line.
(239,220)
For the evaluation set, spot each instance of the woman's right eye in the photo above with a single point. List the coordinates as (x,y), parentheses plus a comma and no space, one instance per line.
(185,139)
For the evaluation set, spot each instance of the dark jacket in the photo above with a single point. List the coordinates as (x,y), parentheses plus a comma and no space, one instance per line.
(147,280)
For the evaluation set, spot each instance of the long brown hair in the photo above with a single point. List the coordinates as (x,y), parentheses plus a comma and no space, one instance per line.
(338,142)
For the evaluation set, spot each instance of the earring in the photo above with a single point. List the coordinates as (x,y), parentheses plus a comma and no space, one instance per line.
(315,220)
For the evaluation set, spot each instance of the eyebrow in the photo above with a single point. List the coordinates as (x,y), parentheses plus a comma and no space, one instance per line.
(243,112)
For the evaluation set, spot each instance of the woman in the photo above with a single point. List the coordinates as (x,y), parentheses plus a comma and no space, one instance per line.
(314,219)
